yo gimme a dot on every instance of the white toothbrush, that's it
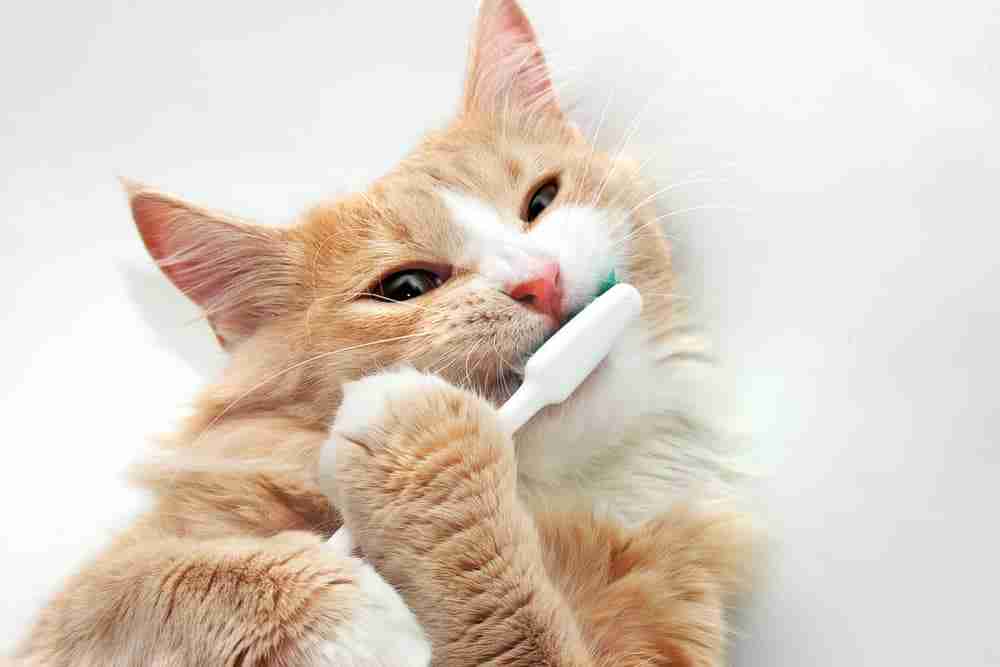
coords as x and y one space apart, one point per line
565 360
559 366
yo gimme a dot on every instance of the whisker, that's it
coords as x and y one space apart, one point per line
664 190
668 295
475 368
627 137
468 358
299 364
642 166
671 214
440 367
349 295
694 180
593 148
408 304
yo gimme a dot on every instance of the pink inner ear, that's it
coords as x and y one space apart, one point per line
176 239
236 273
507 70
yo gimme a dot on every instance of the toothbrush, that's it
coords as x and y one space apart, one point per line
565 360
559 366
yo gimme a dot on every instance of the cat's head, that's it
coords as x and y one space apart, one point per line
462 260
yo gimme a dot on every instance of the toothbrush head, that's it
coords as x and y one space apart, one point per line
609 281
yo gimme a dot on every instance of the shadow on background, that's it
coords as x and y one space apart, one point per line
176 323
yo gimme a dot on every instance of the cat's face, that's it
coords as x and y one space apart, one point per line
462 260
474 251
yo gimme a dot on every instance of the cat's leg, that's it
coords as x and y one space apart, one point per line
287 600
654 595
426 481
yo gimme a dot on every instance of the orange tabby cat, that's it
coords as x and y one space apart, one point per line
477 549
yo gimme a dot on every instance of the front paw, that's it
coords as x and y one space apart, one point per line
367 411
410 455
376 403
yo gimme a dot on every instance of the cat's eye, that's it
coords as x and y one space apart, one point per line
409 284
540 199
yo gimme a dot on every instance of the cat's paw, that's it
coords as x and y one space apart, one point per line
373 403
382 631
407 453
370 407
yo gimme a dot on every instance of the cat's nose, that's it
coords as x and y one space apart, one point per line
542 291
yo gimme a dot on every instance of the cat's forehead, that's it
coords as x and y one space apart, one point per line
494 163
493 166
461 195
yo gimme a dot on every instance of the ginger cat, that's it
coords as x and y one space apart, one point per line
476 549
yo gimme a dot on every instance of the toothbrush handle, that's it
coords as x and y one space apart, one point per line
521 407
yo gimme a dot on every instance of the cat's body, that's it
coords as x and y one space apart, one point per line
493 231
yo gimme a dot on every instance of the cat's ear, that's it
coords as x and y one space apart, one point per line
241 275
507 70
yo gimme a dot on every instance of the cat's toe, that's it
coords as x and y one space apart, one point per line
366 401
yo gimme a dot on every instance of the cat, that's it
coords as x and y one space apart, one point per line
393 322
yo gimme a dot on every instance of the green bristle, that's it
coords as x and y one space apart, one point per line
608 283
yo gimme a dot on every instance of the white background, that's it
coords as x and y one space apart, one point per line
843 245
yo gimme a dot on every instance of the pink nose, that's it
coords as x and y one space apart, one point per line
541 292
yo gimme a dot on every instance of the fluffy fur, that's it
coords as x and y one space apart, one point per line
577 544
